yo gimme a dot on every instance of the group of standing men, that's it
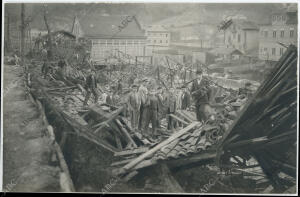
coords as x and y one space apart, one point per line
148 103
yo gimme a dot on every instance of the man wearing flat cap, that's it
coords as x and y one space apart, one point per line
91 86
134 104
153 112
201 94
143 93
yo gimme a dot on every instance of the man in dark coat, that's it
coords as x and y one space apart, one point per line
186 99
134 104
153 112
91 86
201 93
171 108
46 68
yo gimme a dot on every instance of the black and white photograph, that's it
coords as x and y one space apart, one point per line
161 97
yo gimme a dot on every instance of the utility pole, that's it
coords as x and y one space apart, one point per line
22 34
8 33
49 51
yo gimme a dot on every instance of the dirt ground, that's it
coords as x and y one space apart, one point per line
26 152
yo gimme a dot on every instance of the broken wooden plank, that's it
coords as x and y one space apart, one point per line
130 152
112 117
186 113
178 119
118 163
144 164
126 133
130 176
184 116
158 147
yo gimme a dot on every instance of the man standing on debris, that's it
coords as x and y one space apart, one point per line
153 112
143 93
62 68
171 108
246 90
186 99
91 86
134 104
201 93
161 106
119 87
45 68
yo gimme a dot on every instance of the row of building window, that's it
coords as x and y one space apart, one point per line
118 42
238 38
281 34
157 34
273 51
278 18
158 41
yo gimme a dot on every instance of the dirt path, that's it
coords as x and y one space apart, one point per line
26 153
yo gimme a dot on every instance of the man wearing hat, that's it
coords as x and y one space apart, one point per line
153 112
45 68
143 93
186 99
134 104
91 86
246 90
201 93
171 108
161 106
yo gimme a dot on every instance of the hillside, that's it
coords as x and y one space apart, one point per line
61 15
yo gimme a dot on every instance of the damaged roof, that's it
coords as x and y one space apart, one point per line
110 26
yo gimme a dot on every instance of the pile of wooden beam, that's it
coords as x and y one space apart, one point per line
266 128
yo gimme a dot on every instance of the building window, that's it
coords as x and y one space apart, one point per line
283 18
274 34
239 38
166 41
278 18
282 33
166 35
273 51
262 33
265 49
281 51
291 33
160 41
154 41
274 18
266 34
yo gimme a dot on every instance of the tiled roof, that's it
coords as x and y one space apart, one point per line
225 51
157 28
105 26
245 24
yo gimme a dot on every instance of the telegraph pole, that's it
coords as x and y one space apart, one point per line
8 34
22 34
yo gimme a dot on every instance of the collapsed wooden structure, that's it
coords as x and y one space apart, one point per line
252 129
266 128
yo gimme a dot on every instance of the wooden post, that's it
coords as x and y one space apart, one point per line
8 34
22 32
49 53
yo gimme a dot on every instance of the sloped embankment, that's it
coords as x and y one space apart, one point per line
29 160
